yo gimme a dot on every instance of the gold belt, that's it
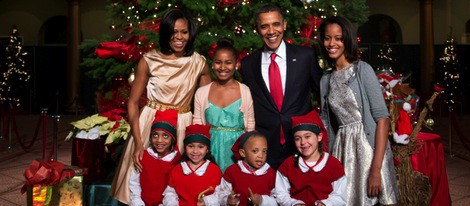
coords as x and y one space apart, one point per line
158 106
227 128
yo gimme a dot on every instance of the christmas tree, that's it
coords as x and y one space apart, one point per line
385 59
14 72
449 70
135 24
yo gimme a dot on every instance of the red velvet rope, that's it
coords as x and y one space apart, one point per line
22 144
42 118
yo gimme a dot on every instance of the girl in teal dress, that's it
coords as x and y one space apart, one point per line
225 103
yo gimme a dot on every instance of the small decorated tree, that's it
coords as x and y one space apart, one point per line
14 73
449 72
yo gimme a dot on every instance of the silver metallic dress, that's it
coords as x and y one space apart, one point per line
352 148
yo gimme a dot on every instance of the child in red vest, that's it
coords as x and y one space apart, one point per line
197 174
251 180
157 161
311 177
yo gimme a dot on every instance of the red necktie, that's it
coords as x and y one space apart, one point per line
275 86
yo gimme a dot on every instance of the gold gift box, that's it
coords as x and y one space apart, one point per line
68 192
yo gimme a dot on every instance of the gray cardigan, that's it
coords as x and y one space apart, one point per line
369 97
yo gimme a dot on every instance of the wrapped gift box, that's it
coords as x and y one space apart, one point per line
68 192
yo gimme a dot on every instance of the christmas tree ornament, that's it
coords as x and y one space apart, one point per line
200 20
239 30
430 122
131 77
112 27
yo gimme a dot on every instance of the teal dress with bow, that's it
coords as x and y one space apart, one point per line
227 125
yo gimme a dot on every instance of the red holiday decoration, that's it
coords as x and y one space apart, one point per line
308 29
227 3
125 50
116 96
212 50
43 173
437 88
153 25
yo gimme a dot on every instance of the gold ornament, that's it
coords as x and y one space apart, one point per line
131 77
200 20
429 122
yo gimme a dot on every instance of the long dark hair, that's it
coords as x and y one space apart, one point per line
349 38
167 27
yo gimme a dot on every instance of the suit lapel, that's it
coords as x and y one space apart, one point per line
290 65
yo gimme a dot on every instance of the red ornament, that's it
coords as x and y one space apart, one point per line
239 30
289 41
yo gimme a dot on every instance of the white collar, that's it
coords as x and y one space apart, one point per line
199 171
280 52
261 171
317 167
167 158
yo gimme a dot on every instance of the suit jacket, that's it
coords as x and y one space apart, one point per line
302 78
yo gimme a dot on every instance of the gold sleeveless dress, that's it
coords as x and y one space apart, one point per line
172 83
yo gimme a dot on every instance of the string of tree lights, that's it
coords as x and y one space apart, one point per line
134 25
385 59
449 71
14 73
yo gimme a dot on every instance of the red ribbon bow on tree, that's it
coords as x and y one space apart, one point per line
125 50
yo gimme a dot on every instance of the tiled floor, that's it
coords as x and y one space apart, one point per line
14 161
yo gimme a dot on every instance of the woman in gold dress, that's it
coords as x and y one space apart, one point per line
170 76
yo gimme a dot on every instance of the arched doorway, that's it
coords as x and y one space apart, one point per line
466 36
380 28
54 31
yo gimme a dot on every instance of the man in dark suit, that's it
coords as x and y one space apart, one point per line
281 84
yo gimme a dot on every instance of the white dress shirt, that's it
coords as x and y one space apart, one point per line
134 181
224 189
281 60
